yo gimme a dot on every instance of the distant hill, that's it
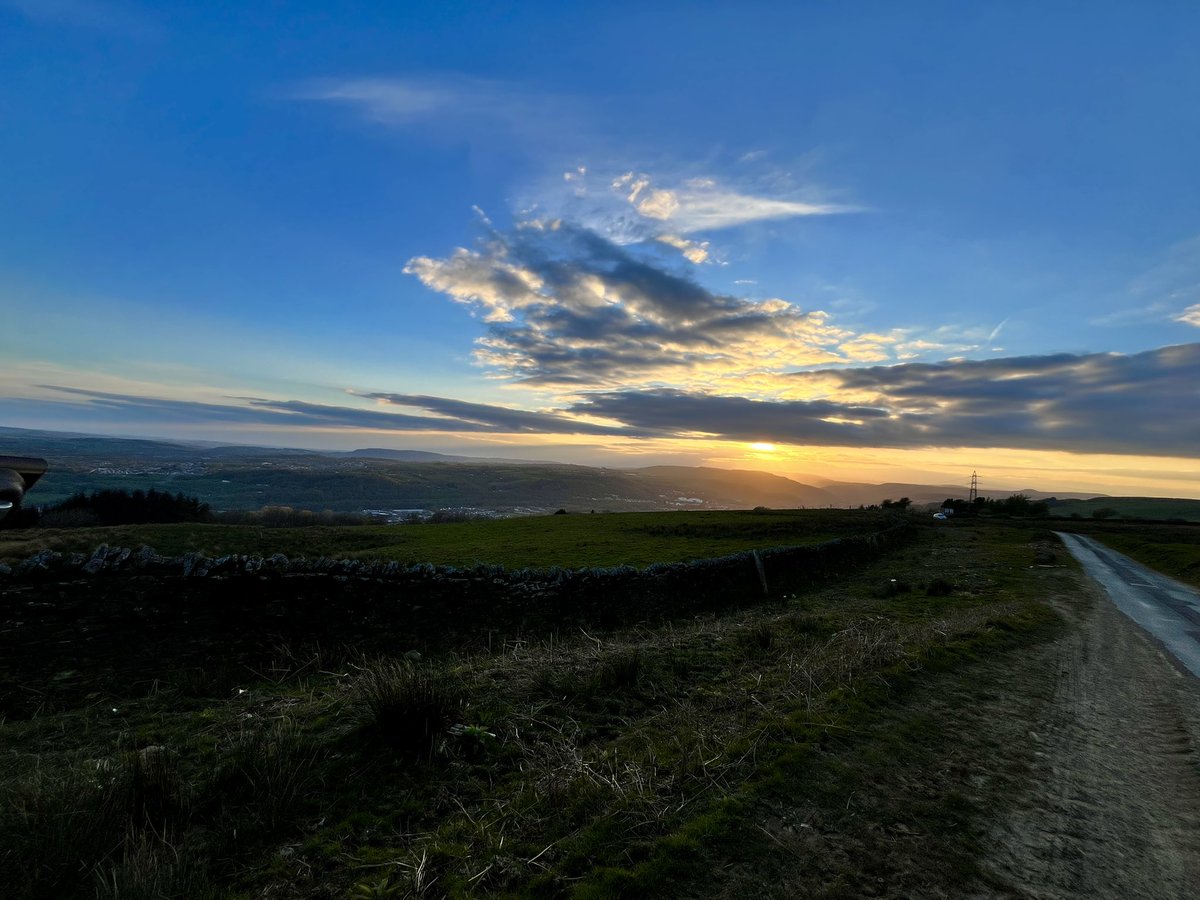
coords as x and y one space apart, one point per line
233 477
735 487
853 494
400 455
430 456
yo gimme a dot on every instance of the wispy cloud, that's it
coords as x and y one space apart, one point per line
389 101
451 103
623 203
1167 291
119 19
703 204
491 417
1190 316
440 414
684 206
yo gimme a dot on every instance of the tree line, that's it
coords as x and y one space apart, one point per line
112 507
1015 505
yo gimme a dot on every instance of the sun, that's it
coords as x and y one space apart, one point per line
763 447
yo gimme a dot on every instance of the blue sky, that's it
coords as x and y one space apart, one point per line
278 222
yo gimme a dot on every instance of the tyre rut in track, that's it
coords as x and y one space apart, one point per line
1113 804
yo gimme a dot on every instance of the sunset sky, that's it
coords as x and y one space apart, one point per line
860 241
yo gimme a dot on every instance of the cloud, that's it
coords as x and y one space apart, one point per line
1100 403
731 418
702 204
693 251
452 104
565 306
387 101
1093 403
490 417
121 20
443 414
1167 291
628 206
1190 316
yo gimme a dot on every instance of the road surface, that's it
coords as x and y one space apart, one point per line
1110 805
1170 611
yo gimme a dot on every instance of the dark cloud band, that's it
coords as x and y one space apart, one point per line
1144 403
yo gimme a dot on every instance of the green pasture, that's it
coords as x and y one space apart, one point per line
1132 508
570 541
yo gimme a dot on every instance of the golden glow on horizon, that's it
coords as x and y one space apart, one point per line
1000 468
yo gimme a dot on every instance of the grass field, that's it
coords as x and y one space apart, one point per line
1132 508
577 541
644 762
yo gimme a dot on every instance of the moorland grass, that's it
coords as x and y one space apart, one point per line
571 541
409 706
1132 508
629 762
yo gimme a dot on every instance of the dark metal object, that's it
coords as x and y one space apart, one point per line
17 475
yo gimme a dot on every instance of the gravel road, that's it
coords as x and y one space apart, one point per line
1111 806
1167 609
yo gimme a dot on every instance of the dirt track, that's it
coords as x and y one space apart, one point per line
1112 807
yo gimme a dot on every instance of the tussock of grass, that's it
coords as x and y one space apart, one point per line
758 638
62 827
151 868
618 672
261 777
893 587
410 706
939 587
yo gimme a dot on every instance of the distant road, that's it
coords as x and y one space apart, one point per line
1167 609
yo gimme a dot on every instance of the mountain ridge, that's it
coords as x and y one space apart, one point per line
249 477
